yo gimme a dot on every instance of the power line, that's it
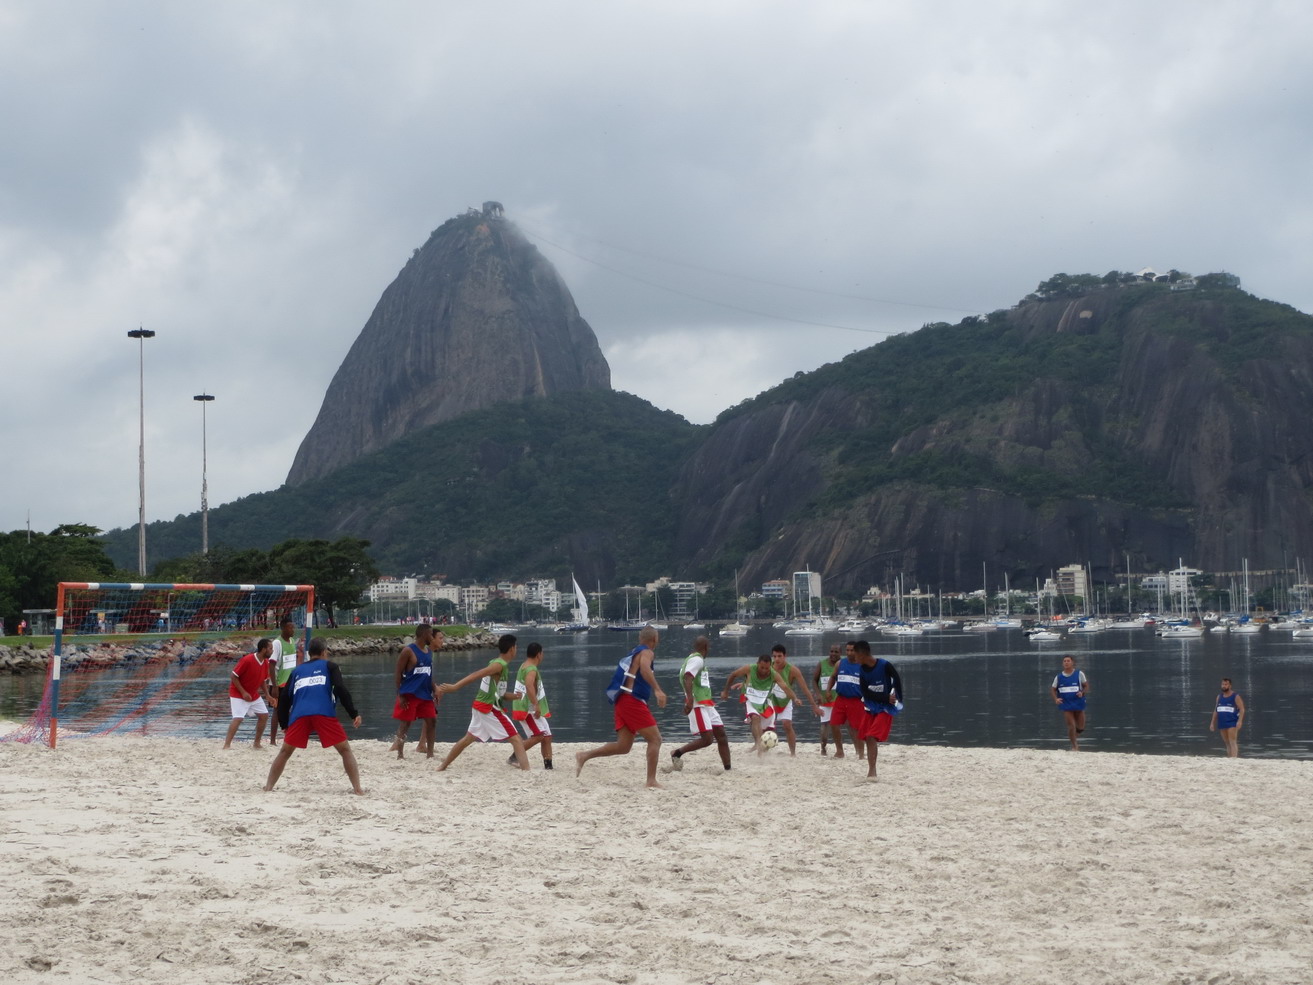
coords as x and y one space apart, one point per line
744 277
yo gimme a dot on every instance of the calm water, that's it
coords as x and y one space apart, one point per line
963 689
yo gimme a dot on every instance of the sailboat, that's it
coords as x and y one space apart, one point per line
738 627
1245 623
579 614
696 624
985 625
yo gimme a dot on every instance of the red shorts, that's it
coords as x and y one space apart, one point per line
328 728
849 710
632 714
875 726
415 708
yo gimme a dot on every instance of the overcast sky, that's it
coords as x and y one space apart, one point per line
732 191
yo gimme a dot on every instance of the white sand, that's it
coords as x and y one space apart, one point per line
157 860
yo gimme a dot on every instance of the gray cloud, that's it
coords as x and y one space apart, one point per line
247 178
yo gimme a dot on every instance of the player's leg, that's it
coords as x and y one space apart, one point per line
233 726
791 736
428 736
652 736
456 750
722 744
624 741
276 767
259 728
349 764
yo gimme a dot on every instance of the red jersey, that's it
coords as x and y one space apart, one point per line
251 671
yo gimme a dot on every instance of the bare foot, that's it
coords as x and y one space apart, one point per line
227 746
266 788
653 785
442 767
838 755
360 793
256 746
578 763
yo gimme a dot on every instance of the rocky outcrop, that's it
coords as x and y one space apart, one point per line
477 317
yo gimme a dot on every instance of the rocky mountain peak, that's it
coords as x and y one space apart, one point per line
476 317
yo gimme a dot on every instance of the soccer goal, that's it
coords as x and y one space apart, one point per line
143 657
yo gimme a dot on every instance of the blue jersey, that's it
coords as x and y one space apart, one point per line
312 691
626 679
879 685
1068 687
419 679
848 682
1228 715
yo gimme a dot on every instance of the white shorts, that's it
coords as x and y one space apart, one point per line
825 713
534 726
703 718
784 714
242 708
490 726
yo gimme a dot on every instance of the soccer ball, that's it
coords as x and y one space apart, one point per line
769 740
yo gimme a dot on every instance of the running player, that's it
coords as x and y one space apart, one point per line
759 680
632 686
882 693
700 707
532 713
488 723
821 678
848 708
1069 689
417 691
314 689
784 705
248 687
1228 716
288 653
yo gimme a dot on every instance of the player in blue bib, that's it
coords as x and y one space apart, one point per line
1228 716
1069 689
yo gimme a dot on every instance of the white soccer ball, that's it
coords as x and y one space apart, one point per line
769 740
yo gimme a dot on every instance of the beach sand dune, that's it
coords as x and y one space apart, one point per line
159 860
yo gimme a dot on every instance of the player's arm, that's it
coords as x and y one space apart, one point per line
1084 684
492 670
645 671
1240 707
405 664
1212 722
895 683
797 674
1054 689
531 692
343 695
741 672
783 684
834 678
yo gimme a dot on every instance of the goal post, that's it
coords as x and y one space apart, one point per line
171 622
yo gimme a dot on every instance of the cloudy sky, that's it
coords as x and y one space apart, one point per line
734 191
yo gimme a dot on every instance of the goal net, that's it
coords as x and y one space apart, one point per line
153 658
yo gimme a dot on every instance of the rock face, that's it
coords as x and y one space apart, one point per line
1121 421
476 317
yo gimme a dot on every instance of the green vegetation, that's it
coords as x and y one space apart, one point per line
32 566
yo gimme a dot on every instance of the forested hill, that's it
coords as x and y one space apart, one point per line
1099 418
578 480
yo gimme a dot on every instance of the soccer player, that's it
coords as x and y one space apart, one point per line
759 680
821 679
632 686
488 723
1228 716
700 707
882 692
848 710
288 654
784 705
417 691
532 713
1069 689
248 687
314 688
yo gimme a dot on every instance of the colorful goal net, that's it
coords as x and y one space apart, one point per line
152 658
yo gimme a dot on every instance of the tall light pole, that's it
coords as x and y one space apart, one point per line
141 334
204 398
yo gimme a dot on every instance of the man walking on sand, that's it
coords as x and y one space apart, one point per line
248 688
848 707
1069 689
531 713
821 678
417 691
314 688
488 723
1228 717
882 694
700 707
632 686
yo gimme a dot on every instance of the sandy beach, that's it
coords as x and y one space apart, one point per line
161 860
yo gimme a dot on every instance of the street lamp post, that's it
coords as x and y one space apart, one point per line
141 334
204 399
